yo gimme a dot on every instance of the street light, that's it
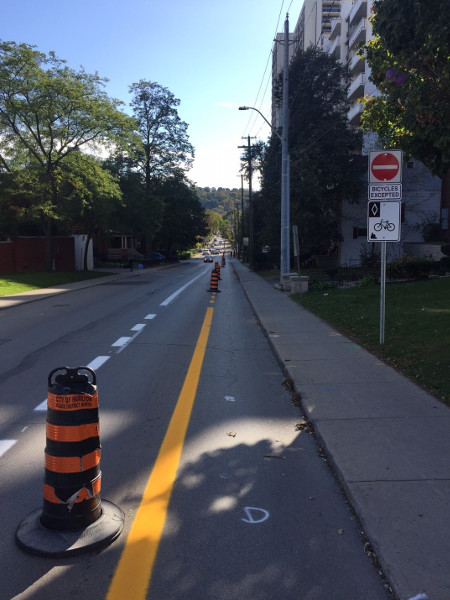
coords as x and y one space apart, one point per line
259 112
285 193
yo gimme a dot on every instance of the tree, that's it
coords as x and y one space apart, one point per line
166 150
324 165
183 219
90 195
410 62
47 112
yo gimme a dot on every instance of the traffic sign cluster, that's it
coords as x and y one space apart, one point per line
384 215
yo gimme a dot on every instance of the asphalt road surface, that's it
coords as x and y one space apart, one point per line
225 494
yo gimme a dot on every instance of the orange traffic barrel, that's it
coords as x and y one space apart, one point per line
223 259
72 509
217 268
214 283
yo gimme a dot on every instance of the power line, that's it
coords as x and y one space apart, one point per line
254 117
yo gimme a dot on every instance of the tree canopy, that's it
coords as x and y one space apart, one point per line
324 166
55 123
47 112
410 62
166 150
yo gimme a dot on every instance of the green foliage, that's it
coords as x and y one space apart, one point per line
367 281
183 219
165 148
219 200
323 286
409 267
324 168
417 332
48 112
445 249
409 61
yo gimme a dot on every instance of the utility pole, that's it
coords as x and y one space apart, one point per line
285 266
250 200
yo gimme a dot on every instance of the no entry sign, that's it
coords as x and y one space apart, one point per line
385 165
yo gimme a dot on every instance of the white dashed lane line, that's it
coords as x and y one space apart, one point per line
5 445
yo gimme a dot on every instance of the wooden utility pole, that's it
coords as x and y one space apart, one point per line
250 201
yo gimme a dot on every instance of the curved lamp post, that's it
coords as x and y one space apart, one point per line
285 192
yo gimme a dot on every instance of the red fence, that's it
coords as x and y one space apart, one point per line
27 255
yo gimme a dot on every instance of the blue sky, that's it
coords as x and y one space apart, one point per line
213 56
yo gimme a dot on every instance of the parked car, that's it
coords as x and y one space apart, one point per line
208 258
158 256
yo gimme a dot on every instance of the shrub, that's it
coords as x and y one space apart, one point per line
409 267
367 281
323 286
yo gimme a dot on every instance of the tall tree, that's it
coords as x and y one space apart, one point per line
47 112
324 165
410 65
166 150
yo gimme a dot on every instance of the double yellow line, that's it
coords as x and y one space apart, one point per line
132 577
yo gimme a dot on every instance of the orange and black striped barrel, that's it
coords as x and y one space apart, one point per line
72 479
214 283
217 268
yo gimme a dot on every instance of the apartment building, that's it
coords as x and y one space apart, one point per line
339 27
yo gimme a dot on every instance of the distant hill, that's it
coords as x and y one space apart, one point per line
220 200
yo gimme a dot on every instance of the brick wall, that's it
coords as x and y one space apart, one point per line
27 255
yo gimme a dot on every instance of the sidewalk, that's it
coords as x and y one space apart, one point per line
387 440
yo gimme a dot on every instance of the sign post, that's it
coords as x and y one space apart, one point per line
384 210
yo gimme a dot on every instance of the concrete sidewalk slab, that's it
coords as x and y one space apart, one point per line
387 440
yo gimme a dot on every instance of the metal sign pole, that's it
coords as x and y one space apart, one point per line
382 290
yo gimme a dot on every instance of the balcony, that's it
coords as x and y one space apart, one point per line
334 49
335 29
356 88
354 114
358 35
357 12
356 65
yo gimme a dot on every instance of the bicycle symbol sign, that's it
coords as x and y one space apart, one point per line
383 221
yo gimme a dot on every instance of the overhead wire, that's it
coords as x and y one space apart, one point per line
253 117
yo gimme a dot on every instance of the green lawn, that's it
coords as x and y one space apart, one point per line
417 326
15 283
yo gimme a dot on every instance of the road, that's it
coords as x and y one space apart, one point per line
224 496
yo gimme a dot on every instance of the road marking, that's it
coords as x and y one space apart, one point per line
252 509
132 576
150 316
98 362
178 292
121 342
5 445
138 327
42 406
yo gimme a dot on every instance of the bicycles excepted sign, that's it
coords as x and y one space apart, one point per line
384 221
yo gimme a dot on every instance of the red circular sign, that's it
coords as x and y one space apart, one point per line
385 166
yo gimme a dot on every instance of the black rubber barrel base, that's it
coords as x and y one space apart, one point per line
35 538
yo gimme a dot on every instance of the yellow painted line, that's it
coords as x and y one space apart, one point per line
132 576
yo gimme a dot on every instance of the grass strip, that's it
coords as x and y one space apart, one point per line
417 326
16 283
